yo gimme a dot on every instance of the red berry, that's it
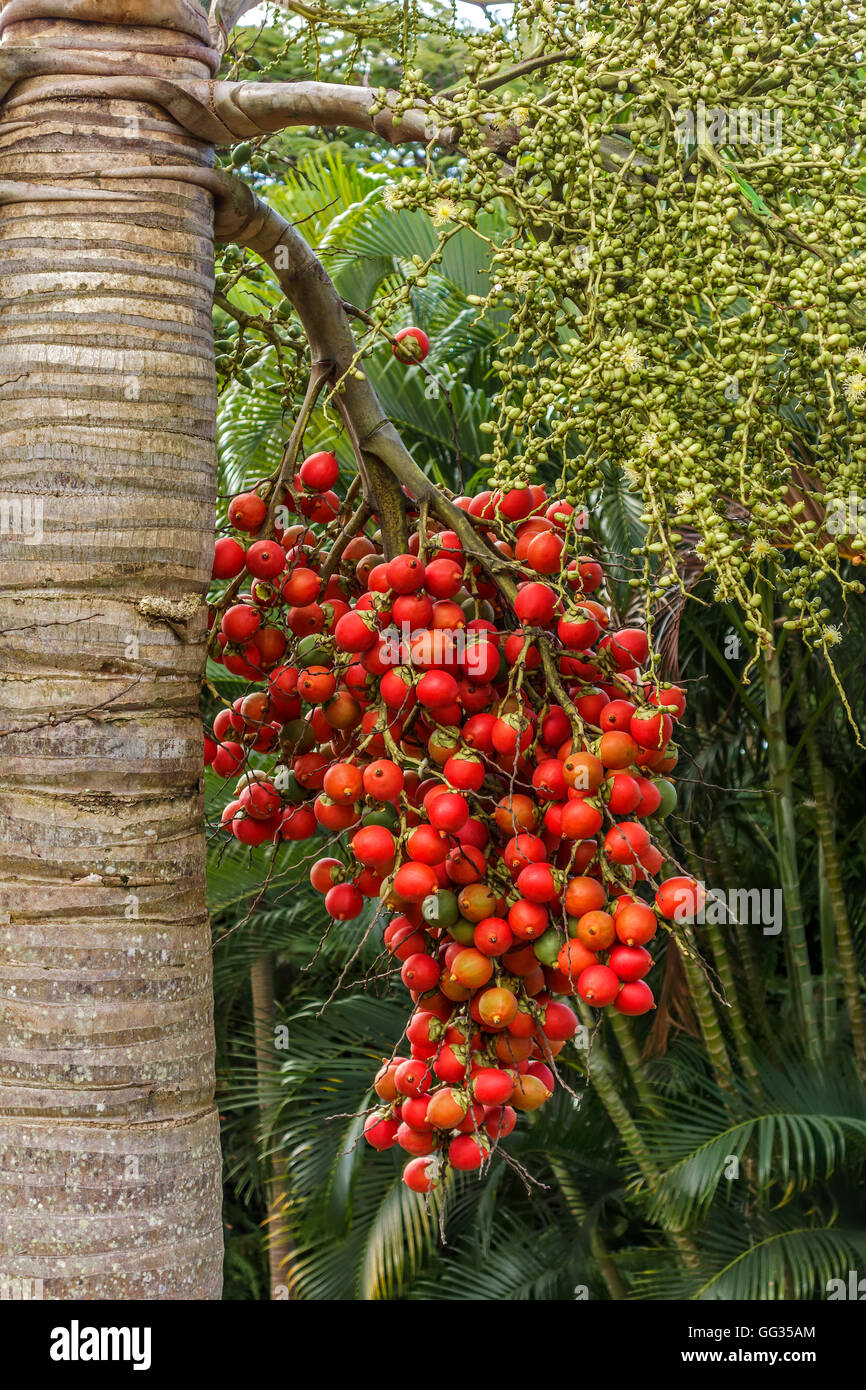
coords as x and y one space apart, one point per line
414 882
228 759
465 772
578 630
344 902
411 345
316 685
635 922
536 882
420 973
260 800
560 1022
669 697
319 472
535 604
628 647
515 504
544 553
381 1130
581 818
228 558
405 574
265 559
499 1121
298 823
630 962
492 1085
680 899
383 780
343 783
373 845
598 985
477 731
443 578
301 587
617 714
421 1175
493 936
247 512
548 780
412 1078
651 730
635 998
528 920
446 1108
355 632
467 1152
437 688
624 843
240 622
448 812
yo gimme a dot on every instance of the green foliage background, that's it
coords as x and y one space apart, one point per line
717 1147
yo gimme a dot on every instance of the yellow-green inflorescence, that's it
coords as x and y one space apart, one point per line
684 273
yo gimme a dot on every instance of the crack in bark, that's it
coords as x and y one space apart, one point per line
52 723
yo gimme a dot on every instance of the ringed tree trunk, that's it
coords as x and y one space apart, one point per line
109 1147
110 1175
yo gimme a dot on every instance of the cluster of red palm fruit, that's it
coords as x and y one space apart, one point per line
405 706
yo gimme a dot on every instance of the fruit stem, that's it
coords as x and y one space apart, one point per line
319 374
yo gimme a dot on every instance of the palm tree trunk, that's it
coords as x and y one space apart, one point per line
110 1174
834 907
701 995
718 946
628 1046
745 948
573 1197
706 1014
716 937
603 1077
279 1243
831 980
796 947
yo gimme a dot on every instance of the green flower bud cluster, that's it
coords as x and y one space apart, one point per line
684 273
260 347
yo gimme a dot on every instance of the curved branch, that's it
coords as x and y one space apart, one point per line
261 108
14 192
15 63
242 217
247 109
84 76
286 471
